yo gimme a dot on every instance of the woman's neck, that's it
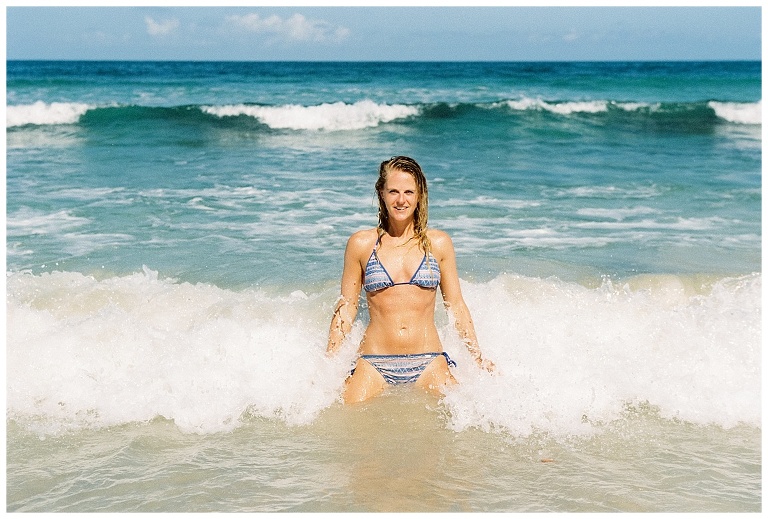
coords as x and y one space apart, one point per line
404 230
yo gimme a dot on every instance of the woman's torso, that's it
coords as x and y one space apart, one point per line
402 316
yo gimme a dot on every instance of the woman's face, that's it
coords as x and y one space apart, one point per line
400 195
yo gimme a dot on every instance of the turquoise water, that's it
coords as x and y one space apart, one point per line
614 168
175 234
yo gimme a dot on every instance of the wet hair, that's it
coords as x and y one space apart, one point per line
406 165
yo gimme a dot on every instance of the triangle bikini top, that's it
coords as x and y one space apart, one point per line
377 277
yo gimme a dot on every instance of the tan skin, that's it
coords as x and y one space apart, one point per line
402 317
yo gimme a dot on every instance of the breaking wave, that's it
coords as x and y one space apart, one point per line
341 116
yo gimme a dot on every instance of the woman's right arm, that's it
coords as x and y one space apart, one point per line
351 282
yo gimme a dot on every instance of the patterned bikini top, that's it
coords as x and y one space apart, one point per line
377 277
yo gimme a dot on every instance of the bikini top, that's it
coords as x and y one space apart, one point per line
377 277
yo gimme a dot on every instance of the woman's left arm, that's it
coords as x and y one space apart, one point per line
442 248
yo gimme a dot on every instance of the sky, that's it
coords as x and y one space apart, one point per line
428 32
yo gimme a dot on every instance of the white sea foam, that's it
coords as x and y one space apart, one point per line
613 192
90 193
632 107
571 357
563 108
69 232
61 139
327 116
617 213
41 113
29 221
88 352
488 201
83 352
680 224
741 113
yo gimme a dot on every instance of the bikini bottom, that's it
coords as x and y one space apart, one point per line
403 369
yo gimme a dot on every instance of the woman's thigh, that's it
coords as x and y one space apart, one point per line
366 382
436 376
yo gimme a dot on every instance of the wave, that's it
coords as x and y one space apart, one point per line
327 116
739 113
562 108
27 221
43 114
92 353
340 116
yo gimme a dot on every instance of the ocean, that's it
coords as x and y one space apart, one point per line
174 242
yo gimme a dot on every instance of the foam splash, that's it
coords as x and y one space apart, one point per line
341 116
327 116
28 221
564 108
574 107
740 113
90 353
572 357
83 352
41 114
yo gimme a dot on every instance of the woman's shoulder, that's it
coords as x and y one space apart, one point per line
440 241
438 237
363 239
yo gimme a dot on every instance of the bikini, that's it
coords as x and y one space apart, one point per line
377 277
406 368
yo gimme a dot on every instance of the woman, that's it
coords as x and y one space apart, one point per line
400 264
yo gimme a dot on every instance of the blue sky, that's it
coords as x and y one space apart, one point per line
439 33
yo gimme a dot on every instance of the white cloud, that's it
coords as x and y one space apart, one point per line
161 28
571 36
297 28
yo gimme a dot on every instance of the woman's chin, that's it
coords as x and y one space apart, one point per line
401 216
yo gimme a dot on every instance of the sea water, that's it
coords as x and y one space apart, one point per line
174 243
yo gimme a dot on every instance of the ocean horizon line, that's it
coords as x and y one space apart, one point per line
425 61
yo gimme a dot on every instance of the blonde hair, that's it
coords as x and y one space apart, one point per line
406 165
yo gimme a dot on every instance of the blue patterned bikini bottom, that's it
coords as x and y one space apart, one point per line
403 369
